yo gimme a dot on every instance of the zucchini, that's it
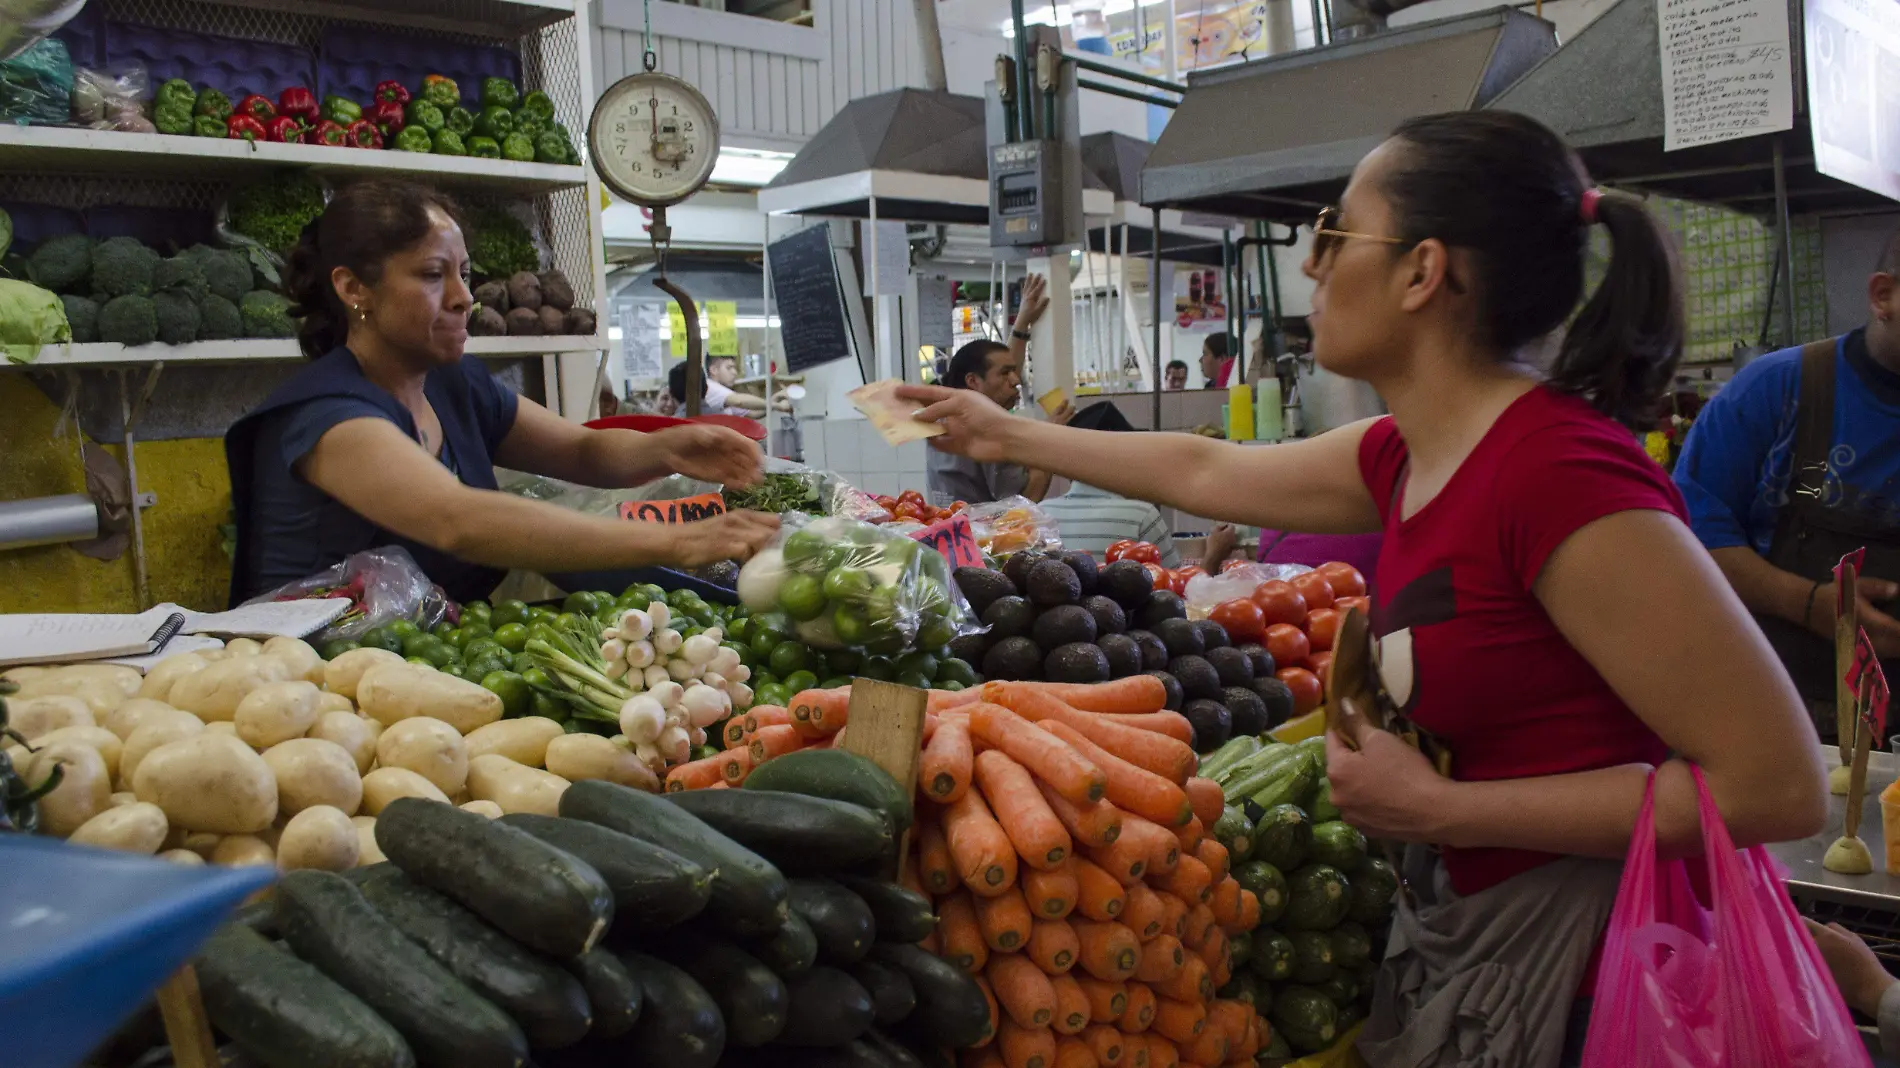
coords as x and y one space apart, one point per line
611 992
748 893
839 775
828 1008
548 1003
800 834
1227 756
951 1009
1257 774
654 888
327 922
792 950
839 918
540 896
679 1026
1235 831
892 996
285 1013
902 914
751 998
260 916
1290 782
895 1053
859 1054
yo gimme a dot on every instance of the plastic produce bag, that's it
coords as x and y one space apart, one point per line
105 102
36 86
1013 525
1738 985
1203 592
848 584
383 585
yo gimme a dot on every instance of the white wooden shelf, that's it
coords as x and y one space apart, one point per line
271 350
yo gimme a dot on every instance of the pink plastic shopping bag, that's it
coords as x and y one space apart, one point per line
1739 985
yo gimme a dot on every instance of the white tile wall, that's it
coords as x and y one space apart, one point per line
812 433
875 454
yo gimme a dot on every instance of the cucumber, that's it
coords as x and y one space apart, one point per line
611 992
902 914
951 1009
538 895
839 775
748 893
653 887
752 999
892 996
548 1003
895 1053
679 1026
285 1013
792 950
839 918
327 922
828 1008
802 835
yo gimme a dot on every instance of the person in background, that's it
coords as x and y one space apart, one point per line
609 402
1289 547
1092 519
1216 365
664 403
722 373
1177 374
996 371
1865 983
1795 463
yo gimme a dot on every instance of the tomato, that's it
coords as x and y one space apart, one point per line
1234 563
1345 579
1322 627
1314 587
1157 574
1322 664
886 503
1241 619
1287 644
1119 549
910 511
1343 604
1280 602
1143 552
1307 691
1189 571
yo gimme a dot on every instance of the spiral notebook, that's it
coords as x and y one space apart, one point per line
57 637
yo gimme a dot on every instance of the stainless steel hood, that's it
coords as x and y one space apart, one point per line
905 132
1277 138
1115 160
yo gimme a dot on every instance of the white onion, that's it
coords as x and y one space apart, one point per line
760 579
667 642
681 670
714 679
675 744
724 660
616 669
699 650
739 674
659 613
704 705
639 653
634 625
613 649
655 676
741 695
668 693
697 735
642 718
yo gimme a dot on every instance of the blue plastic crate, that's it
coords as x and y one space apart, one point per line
34 223
166 230
85 37
235 66
353 59
664 577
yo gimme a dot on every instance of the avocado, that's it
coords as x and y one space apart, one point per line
1109 617
1063 625
1181 637
1160 605
1213 634
1263 664
1076 662
1087 572
1154 651
1016 660
970 648
1009 617
1198 677
1232 665
1128 583
1124 656
1017 568
1173 686
1249 712
1277 697
982 587
1213 724
1051 583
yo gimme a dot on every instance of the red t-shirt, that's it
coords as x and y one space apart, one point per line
1465 647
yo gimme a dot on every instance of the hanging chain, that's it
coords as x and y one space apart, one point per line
646 38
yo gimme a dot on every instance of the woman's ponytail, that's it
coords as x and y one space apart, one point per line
363 225
1621 350
321 325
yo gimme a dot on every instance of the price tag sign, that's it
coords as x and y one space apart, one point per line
722 328
1866 675
954 538
683 510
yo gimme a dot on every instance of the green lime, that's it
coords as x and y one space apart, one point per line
804 545
849 624
954 671
880 606
478 611
834 682
843 661
439 653
802 597
581 603
788 657
936 632
878 667
800 681
762 679
402 628
473 631
574 621
482 667
537 678
705 752
914 679
333 649
634 598
951 687
421 661
442 629
762 644
516 696
847 583
775 694
920 663
383 638
476 648
552 707
414 644
509 612
512 636
682 597
542 614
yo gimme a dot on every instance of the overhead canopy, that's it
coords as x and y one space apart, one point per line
705 277
1277 138
1115 160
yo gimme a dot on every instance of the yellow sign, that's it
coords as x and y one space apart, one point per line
676 331
718 318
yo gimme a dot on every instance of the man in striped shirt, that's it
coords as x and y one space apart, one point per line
1091 520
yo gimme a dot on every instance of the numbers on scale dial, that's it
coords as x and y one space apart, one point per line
659 138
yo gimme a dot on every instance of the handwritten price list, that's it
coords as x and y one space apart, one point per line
1725 70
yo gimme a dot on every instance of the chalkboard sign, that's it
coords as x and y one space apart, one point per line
811 315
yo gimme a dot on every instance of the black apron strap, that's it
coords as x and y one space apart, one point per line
1813 435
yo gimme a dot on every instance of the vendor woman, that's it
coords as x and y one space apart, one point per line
1544 613
390 436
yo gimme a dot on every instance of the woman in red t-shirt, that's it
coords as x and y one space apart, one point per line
1542 610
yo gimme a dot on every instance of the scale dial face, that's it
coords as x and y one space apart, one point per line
653 139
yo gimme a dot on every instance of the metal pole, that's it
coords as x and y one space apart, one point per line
870 274
1025 81
142 587
1787 245
1269 312
1126 94
930 41
1154 295
1228 290
1319 23
1119 273
1096 66
765 312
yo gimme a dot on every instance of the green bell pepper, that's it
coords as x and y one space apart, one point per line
484 147
461 120
497 123
441 91
208 126
530 123
518 147
539 103
175 93
550 148
341 110
424 114
500 93
414 139
213 103
173 117
449 143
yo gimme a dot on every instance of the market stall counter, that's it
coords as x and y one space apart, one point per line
1809 882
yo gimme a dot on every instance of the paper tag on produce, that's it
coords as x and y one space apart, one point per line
894 418
683 510
1866 668
955 539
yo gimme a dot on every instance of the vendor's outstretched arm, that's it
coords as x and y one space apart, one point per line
378 472
545 444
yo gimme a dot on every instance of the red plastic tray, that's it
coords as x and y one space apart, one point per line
647 424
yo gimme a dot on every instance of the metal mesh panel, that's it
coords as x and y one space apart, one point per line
79 193
456 20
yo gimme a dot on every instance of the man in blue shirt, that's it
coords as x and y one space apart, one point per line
1795 463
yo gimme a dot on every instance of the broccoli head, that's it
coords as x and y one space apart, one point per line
218 319
177 313
129 320
62 263
227 271
266 314
83 315
183 274
123 267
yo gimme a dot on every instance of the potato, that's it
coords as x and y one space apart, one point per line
350 731
395 692
384 785
515 787
34 716
160 680
134 828
184 858
334 702
202 843
298 656
209 783
589 756
106 742
237 647
367 851
276 712
524 741
83 792
310 772
242 851
342 674
160 730
483 808
428 747
100 686
223 726
214 694
320 837
135 713
24 674
121 798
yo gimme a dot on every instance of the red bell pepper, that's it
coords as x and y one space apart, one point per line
257 107
364 134
392 91
388 117
299 103
285 130
328 133
243 127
